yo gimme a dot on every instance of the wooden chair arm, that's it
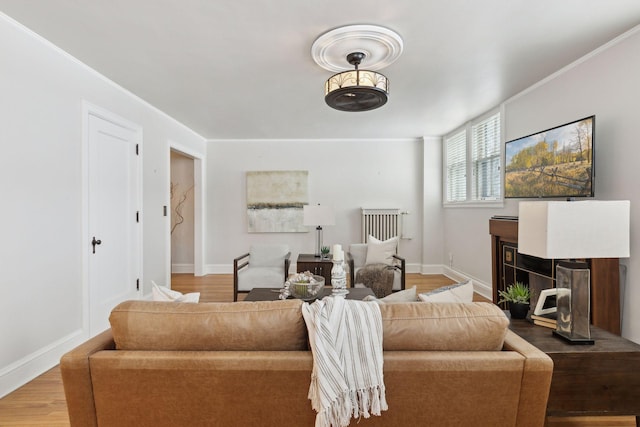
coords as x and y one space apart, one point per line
236 260
237 266
401 267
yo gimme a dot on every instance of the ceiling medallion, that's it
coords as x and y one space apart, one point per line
354 89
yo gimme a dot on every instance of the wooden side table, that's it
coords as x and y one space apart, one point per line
315 265
589 380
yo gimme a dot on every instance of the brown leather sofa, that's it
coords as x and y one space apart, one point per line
248 364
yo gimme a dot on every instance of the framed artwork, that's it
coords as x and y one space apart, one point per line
275 200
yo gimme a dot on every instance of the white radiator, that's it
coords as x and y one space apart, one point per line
382 224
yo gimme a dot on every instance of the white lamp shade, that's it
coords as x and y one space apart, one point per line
318 215
579 229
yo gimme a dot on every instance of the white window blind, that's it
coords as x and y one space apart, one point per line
472 163
485 158
456 168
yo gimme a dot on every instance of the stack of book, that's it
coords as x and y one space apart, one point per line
546 320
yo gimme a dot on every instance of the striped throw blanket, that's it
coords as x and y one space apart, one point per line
346 342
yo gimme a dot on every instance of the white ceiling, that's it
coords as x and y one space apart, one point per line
243 68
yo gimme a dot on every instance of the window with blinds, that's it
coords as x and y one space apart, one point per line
485 158
456 168
472 158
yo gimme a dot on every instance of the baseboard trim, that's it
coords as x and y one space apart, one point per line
29 367
182 268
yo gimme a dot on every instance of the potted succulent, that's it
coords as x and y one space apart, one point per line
324 251
517 297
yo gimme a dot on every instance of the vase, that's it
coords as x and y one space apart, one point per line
518 310
338 278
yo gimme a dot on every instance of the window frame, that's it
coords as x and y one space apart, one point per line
469 164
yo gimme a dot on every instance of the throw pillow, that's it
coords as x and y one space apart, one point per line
408 295
161 293
381 252
460 292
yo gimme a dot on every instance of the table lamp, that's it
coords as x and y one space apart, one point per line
574 230
318 215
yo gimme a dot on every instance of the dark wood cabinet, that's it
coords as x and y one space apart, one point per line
315 265
508 265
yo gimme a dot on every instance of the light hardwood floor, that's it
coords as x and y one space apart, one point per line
41 402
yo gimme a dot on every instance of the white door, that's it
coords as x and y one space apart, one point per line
113 217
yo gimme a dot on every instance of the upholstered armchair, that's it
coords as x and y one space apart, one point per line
264 266
361 254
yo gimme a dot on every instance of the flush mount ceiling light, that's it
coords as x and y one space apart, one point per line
355 89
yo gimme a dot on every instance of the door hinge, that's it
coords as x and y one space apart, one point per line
164 210
137 149
137 216
137 284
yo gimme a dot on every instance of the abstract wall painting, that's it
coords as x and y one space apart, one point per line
275 200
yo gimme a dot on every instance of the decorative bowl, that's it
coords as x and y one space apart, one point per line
305 286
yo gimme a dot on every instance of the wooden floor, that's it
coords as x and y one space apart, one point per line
41 402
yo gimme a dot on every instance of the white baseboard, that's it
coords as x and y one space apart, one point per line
430 269
29 367
182 268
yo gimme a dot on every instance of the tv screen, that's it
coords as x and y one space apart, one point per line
556 162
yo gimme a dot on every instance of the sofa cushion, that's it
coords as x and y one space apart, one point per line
260 325
407 295
260 277
267 255
358 252
162 293
381 252
477 326
459 292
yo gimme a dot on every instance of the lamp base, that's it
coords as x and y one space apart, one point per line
574 339
573 302
318 253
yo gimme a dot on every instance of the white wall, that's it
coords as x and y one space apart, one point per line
433 233
41 272
605 84
345 174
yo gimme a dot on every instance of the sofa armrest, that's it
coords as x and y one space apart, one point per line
536 380
76 377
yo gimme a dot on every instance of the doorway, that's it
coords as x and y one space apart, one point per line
182 213
185 252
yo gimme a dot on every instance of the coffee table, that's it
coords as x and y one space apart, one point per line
270 294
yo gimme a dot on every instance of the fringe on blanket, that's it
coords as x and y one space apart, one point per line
326 322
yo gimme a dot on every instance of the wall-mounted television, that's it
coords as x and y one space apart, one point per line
557 162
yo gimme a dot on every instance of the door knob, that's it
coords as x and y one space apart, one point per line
95 242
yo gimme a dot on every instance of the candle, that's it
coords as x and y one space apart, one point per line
338 253
336 248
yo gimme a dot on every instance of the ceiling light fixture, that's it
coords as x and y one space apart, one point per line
354 89
357 90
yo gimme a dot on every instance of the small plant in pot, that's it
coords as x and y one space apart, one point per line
324 252
517 297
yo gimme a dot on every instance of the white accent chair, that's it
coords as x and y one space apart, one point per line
264 266
357 257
